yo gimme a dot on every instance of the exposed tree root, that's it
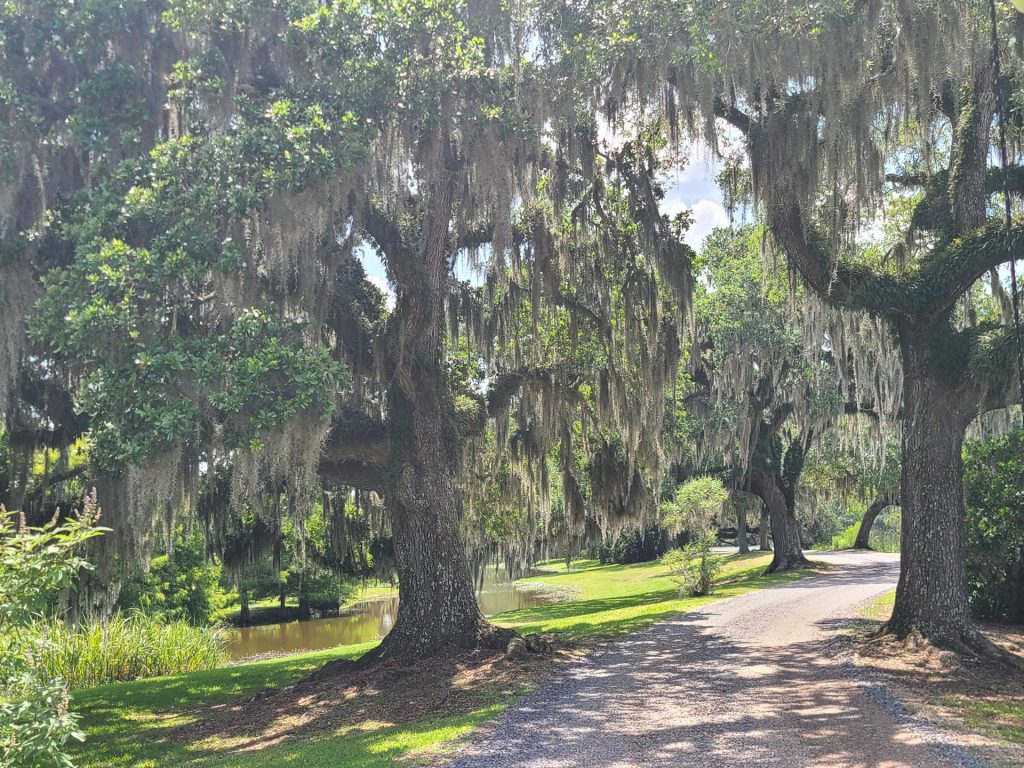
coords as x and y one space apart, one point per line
966 643
795 562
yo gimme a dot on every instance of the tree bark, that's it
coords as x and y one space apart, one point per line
931 596
741 529
788 553
876 508
437 607
244 614
763 530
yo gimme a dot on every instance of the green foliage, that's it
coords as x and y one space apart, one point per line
129 723
126 648
182 585
885 534
846 538
694 567
994 489
35 565
633 546
694 505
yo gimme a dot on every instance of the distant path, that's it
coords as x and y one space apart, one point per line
748 681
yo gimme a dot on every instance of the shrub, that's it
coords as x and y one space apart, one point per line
994 489
35 565
633 546
182 584
847 538
128 648
694 567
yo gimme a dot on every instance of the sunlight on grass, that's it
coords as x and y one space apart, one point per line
1001 719
128 724
879 608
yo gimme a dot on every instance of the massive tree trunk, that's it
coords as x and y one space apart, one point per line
874 509
437 608
931 596
788 554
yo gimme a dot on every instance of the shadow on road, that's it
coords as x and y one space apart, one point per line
699 689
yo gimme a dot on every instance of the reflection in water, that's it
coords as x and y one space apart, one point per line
361 623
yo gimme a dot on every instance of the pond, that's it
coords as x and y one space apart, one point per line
360 623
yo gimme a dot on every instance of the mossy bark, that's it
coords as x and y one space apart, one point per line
437 608
931 596
788 553
875 508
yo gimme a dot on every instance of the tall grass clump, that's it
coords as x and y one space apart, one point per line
847 538
128 648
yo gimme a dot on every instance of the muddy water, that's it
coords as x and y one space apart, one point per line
360 623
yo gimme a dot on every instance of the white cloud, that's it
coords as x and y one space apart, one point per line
707 215
385 288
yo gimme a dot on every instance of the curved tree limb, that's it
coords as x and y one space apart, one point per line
356 452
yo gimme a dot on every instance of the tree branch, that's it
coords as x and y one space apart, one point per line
732 115
356 452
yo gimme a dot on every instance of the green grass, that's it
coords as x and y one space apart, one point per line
879 608
374 591
617 599
128 724
1000 720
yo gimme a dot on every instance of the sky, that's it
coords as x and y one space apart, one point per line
692 188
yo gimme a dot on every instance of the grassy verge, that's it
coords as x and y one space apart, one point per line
372 592
981 701
131 724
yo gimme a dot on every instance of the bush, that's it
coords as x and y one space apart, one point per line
128 648
35 565
994 489
693 567
633 546
847 538
180 585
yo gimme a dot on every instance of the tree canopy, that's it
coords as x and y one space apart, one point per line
190 195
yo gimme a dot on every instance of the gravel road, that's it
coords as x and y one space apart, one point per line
750 681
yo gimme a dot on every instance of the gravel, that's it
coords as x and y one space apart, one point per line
752 681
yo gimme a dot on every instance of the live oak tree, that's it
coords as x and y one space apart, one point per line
197 249
859 465
835 101
765 391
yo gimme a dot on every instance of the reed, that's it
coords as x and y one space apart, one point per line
128 647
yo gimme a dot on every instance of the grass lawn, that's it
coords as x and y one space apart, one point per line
129 724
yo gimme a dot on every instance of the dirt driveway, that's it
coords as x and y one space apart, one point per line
751 681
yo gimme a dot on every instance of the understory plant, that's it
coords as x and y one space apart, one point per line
694 567
994 485
127 647
35 565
